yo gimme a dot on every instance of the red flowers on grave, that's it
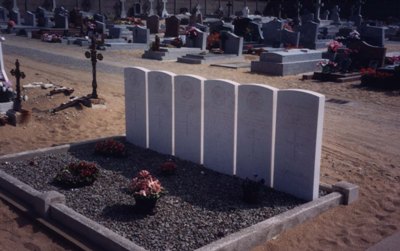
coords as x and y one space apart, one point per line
192 32
110 147
146 186
334 45
146 190
77 174
168 167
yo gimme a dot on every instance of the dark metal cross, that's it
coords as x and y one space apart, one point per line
94 56
18 75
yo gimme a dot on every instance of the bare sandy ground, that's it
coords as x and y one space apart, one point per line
361 143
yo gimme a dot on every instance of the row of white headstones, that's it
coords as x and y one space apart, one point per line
235 129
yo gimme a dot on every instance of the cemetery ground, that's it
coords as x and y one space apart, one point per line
360 139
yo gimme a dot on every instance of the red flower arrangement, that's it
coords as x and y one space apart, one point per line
334 45
168 167
110 147
380 79
77 174
192 32
144 185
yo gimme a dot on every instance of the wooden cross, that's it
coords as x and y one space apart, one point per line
18 75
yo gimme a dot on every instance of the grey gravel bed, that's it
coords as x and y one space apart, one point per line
200 205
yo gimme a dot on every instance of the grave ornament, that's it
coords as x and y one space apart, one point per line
94 56
18 75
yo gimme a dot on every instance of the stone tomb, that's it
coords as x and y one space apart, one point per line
247 129
289 62
272 33
172 26
200 41
170 53
153 24
373 35
309 36
290 39
30 19
15 16
140 35
61 21
231 45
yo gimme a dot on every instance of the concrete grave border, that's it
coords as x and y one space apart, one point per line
51 207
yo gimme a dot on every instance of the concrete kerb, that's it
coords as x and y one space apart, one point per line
51 205
96 233
266 230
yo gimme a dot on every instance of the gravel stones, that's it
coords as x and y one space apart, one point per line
199 207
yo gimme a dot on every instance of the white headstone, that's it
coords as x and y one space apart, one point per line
220 99
298 142
151 12
161 111
3 70
164 12
54 5
136 106
189 117
123 10
256 132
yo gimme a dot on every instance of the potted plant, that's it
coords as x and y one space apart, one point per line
146 190
77 174
251 190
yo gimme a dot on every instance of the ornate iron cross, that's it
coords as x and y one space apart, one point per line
18 75
94 56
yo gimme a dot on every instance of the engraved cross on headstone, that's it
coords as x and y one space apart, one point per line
18 75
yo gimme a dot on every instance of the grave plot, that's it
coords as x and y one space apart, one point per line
346 58
289 62
194 42
230 49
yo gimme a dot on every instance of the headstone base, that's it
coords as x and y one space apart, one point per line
169 53
15 118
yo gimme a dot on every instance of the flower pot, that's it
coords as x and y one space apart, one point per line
145 205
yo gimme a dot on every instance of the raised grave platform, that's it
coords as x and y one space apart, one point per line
170 53
337 77
289 62
208 58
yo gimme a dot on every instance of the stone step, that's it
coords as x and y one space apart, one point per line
188 60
